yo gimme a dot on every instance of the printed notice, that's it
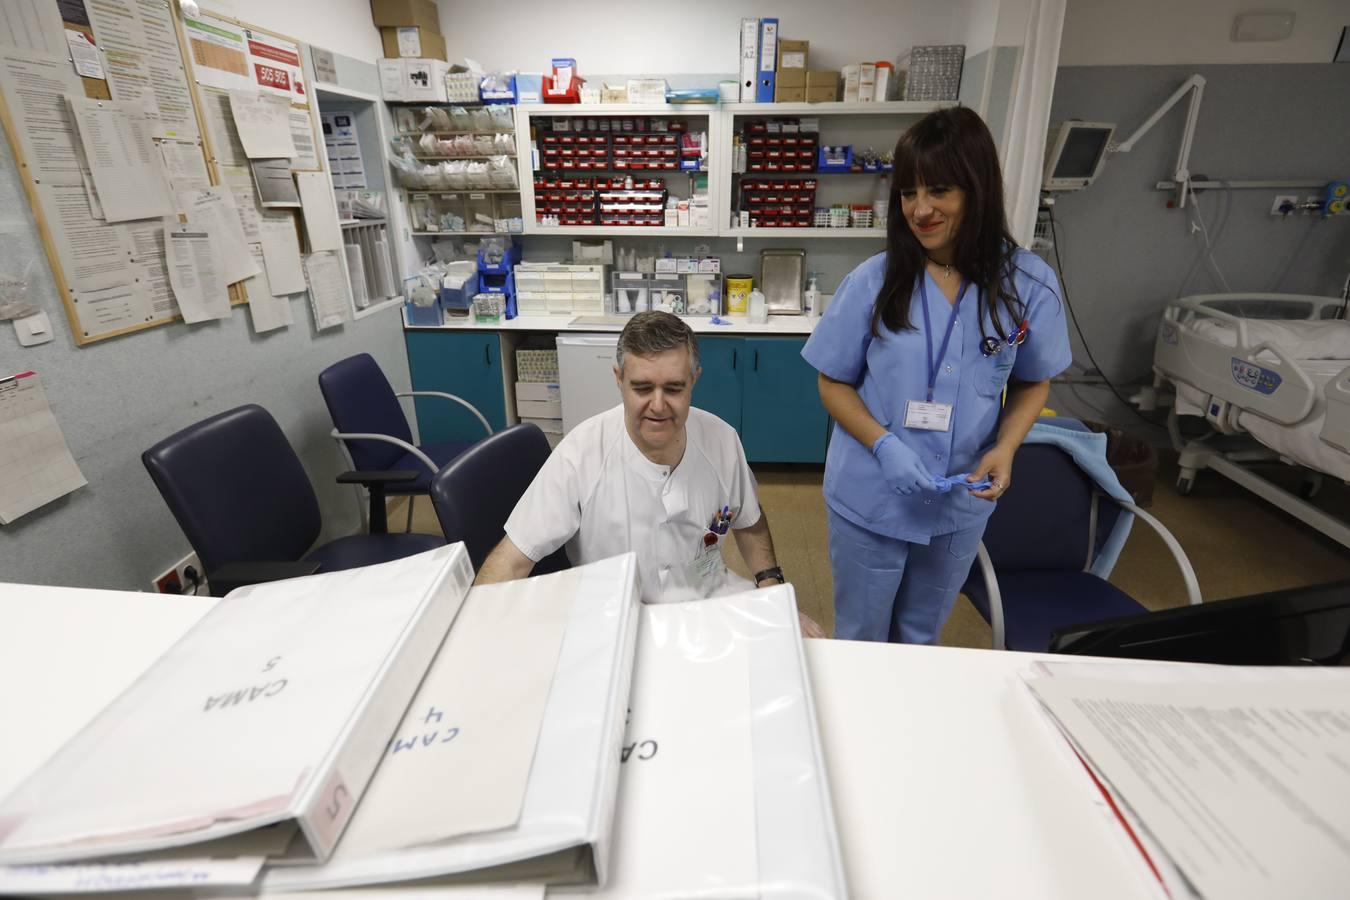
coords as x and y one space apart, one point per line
276 185
128 172
267 311
194 272
263 124
35 464
329 299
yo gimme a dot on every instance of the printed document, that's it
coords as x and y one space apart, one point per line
213 209
281 256
267 311
263 123
276 185
1241 779
321 218
326 278
128 172
35 464
194 272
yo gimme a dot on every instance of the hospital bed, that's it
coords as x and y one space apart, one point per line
1273 369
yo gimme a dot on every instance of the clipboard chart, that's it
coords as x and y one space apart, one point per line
133 58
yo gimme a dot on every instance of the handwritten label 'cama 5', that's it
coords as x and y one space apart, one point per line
248 694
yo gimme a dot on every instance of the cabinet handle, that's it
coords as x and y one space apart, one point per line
756 361
733 359
487 355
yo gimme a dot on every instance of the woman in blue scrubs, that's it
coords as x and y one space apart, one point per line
915 353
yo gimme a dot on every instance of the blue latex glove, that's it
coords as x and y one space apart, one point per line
944 483
900 465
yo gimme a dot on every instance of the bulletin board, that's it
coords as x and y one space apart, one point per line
112 275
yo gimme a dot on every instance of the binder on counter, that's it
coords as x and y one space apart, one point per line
723 790
412 823
766 80
749 60
270 714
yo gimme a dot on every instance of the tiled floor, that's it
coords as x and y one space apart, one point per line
1237 543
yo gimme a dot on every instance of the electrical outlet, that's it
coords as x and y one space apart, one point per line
177 580
1311 200
1281 200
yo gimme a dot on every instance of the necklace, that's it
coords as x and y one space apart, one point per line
946 267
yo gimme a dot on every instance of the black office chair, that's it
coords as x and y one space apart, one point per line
242 497
1031 575
371 428
475 494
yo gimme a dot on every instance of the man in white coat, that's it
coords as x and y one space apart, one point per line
652 475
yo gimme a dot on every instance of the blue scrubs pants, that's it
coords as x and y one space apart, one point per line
891 590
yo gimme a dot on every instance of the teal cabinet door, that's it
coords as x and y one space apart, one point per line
718 390
782 419
468 365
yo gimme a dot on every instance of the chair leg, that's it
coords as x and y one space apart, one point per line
412 498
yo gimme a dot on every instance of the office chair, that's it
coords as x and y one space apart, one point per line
1031 575
372 430
243 500
475 494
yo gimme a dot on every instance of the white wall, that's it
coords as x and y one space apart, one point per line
700 36
1181 32
343 26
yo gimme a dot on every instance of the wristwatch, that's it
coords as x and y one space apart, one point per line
775 572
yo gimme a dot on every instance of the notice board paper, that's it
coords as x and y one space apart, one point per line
143 62
119 145
302 136
194 272
149 266
281 256
276 186
35 463
32 25
263 124
36 85
219 119
213 209
219 54
321 218
267 311
185 165
327 281
240 183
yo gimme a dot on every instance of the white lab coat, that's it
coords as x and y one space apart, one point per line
601 497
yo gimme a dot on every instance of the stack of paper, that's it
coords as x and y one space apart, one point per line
252 737
504 768
1231 780
723 792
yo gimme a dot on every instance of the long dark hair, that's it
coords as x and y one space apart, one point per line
951 147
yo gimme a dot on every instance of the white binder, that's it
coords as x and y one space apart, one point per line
274 709
749 59
562 831
723 791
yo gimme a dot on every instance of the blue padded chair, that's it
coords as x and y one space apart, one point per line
1031 575
242 497
370 427
475 494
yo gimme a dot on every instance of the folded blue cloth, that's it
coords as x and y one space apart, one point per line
944 483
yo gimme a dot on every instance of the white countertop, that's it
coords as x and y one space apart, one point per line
739 325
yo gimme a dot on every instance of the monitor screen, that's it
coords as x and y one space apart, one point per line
1299 626
1083 148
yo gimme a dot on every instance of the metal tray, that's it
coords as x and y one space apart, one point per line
781 276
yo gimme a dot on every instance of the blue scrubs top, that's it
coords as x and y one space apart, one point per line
892 370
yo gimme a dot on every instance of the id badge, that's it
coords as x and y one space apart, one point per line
928 416
706 564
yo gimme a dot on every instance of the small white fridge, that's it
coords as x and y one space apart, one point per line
586 376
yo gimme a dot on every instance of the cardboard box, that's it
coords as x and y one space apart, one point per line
391 79
539 409
396 13
424 80
789 94
547 426
792 55
822 94
791 78
541 391
822 86
411 41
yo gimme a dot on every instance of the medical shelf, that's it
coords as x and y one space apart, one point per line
870 233
428 158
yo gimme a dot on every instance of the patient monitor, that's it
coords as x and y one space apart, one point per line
1075 154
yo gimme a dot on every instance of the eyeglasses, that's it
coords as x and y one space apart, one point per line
992 345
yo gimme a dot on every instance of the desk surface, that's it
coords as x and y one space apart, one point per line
739 326
943 785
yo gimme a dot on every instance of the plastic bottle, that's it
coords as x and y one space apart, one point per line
881 201
811 299
758 308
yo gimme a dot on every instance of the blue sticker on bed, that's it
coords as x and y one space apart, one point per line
1254 377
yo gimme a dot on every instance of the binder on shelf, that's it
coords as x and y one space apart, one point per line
768 60
749 60
557 829
723 720
261 727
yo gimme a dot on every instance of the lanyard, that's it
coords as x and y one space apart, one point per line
934 365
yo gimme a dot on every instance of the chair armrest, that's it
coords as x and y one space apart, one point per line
1173 545
994 596
361 436
238 574
389 476
444 396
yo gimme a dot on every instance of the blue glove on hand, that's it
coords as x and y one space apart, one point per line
900 465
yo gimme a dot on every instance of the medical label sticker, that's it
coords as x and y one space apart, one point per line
928 416
1254 377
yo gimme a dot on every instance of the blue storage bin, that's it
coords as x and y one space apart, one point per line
504 267
424 315
459 298
834 159
498 284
